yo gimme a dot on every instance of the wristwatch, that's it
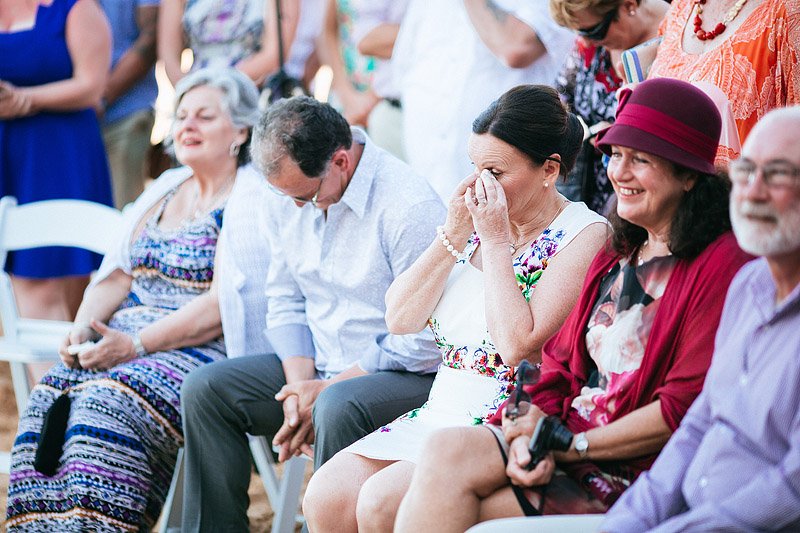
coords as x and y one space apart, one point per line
581 444
138 347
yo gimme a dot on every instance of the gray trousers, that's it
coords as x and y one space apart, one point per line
224 401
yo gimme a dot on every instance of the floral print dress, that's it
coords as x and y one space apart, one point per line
472 381
588 84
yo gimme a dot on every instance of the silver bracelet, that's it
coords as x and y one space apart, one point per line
138 347
460 256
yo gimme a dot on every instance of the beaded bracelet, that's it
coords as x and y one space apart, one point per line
460 256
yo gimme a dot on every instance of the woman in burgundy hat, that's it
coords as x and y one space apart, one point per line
631 357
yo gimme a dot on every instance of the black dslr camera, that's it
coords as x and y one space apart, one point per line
550 435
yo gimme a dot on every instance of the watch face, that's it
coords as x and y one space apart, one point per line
581 444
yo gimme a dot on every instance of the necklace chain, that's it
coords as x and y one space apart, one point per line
197 210
720 27
516 245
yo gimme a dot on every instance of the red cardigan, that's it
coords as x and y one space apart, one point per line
678 351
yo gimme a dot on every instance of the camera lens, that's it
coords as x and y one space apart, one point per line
560 437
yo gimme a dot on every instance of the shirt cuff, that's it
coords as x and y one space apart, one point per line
377 361
292 340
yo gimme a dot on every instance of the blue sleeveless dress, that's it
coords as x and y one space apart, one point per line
125 425
50 154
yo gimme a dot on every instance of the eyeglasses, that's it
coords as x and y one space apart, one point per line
519 402
776 174
299 199
599 31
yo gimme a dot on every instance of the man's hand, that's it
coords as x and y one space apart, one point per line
518 459
297 432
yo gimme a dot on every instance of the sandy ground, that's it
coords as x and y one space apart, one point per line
260 513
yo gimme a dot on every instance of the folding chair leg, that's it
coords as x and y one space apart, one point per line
283 492
22 388
19 378
5 463
289 500
173 505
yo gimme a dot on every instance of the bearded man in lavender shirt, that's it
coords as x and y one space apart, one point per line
734 462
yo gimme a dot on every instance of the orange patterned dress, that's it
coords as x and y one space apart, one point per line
757 66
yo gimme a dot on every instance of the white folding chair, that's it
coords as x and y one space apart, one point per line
584 523
76 223
283 491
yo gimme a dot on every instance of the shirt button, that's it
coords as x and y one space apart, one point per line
703 482
743 380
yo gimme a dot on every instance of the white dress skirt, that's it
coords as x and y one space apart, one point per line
472 381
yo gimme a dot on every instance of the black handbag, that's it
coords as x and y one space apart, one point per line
280 84
51 439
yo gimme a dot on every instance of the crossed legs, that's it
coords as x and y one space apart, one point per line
459 482
355 493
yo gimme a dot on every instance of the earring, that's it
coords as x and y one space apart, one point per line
234 150
632 12
546 184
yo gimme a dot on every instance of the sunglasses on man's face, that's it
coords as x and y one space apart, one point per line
599 31
519 402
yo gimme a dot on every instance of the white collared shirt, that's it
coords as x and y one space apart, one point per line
328 276
241 265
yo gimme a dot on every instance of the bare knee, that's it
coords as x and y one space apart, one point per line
377 506
330 499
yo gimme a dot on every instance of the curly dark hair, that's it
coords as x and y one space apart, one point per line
702 216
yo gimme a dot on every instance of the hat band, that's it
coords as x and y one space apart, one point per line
669 129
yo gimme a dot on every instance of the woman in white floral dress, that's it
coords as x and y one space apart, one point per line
526 250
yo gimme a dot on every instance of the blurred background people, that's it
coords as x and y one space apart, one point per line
357 43
54 59
376 30
754 59
152 308
351 86
238 33
455 57
126 108
590 78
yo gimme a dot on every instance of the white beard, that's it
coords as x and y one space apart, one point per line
757 238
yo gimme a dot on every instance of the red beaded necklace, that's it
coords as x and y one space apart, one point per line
719 28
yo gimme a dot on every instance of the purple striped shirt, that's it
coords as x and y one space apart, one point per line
734 462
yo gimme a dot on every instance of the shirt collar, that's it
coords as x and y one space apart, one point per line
763 291
359 190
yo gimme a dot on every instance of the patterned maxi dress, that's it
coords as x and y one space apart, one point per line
472 381
124 428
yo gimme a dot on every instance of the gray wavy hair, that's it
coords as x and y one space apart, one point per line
240 99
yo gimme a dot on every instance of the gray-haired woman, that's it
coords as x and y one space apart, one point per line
152 312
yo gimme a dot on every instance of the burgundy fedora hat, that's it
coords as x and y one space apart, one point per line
668 118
